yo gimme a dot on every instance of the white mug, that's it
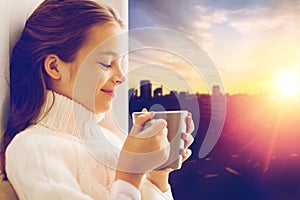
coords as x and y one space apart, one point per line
176 124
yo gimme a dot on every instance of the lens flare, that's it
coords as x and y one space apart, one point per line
289 85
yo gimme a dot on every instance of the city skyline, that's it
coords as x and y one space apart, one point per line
146 90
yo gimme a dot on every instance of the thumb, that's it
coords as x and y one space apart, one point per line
140 121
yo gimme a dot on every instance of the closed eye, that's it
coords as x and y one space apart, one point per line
105 65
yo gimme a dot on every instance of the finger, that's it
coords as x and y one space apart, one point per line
186 153
158 126
143 118
190 123
140 121
188 139
144 110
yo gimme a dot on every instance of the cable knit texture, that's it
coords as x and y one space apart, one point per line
66 155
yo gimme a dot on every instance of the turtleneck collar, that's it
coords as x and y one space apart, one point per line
66 116
62 114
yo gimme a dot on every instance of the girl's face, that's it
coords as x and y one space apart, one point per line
97 71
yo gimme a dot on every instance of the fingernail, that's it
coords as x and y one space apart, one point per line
185 151
182 151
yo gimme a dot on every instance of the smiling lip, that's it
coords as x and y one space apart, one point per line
109 92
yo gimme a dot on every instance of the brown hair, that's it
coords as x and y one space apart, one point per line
56 27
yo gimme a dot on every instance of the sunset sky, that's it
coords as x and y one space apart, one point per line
251 43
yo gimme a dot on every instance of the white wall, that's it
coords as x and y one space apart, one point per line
4 38
13 16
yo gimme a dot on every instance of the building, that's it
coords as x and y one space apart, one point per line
158 92
216 91
145 89
132 92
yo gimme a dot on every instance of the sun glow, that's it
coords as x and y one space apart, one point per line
289 85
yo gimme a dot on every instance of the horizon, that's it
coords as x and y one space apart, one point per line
167 91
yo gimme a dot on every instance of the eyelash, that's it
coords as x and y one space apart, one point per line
106 66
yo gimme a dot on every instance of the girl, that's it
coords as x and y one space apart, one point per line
55 148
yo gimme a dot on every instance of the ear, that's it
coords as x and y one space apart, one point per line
52 65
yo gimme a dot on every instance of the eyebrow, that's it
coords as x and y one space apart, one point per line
109 53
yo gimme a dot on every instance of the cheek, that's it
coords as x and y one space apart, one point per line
86 84
101 83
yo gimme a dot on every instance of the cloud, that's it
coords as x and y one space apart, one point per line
259 20
188 17
197 18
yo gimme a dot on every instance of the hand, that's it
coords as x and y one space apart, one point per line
140 155
160 178
188 138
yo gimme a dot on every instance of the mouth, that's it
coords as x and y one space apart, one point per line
111 93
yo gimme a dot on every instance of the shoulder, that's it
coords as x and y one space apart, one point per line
30 137
42 134
35 150
38 139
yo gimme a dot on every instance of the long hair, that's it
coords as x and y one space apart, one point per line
56 27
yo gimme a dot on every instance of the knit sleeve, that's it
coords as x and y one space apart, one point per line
122 190
150 191
43 171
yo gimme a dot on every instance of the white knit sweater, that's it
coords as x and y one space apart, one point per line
66 155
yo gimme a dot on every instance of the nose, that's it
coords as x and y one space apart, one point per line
118 74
